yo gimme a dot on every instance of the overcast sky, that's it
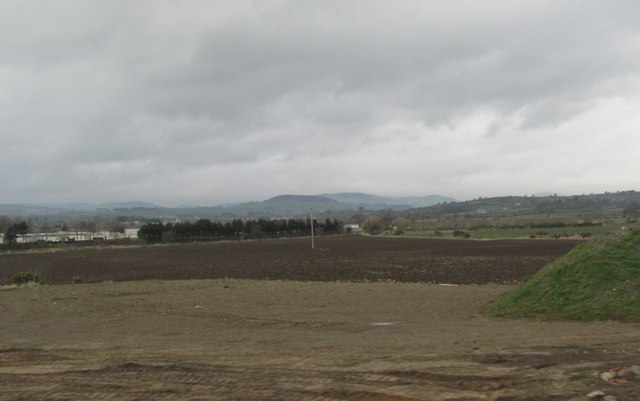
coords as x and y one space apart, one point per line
207 102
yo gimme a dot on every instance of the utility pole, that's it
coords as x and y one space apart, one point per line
312 243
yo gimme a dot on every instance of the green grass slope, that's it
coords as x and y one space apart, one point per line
597 280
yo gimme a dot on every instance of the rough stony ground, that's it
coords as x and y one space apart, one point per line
351 258
274 340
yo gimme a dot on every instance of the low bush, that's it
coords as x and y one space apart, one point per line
22 278
460 233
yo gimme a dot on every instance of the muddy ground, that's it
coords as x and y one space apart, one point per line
351 258
275 340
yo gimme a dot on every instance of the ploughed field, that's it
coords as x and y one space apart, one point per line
337 258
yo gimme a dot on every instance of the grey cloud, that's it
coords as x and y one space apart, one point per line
138 89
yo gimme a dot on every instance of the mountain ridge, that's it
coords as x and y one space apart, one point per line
370 199
284 206
276 204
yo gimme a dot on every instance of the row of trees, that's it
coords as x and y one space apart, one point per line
206 230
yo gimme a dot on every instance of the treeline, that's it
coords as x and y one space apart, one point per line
206 230
11 235
628 202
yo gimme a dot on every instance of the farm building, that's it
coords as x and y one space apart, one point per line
353 228
65 236
131 233
78 236
30 238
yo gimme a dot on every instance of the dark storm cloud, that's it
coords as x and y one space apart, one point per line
122 100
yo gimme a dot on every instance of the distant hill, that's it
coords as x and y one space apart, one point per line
127 205
36 208
377 201
300 205
295 199
344 203
289 205
530 205
279 206
25 210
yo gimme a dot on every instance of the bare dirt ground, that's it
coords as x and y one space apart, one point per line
284 340
367 337
350 258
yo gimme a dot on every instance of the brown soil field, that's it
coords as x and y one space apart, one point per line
287 340
345 258
237 339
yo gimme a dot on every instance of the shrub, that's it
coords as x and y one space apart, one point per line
460 233
22 278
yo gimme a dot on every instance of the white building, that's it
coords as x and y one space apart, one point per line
353 228
72 236
131 233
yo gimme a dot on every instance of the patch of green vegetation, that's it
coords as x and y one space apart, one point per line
597 280
550 232
535 226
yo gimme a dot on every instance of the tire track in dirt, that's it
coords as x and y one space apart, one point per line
169 381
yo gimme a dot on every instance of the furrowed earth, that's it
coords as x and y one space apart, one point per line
358 318
344 258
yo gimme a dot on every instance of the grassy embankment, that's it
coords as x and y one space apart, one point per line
597 280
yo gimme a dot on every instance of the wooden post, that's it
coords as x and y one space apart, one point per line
312 243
